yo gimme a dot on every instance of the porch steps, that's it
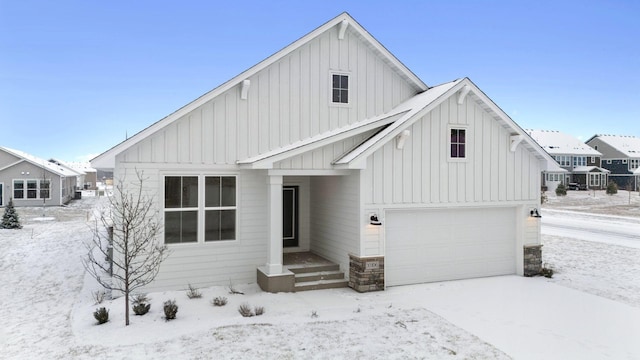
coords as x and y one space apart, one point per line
319 276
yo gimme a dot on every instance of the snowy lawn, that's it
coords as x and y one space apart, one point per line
48 305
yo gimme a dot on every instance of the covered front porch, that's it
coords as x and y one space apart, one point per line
313 226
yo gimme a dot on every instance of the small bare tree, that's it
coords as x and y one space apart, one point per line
127 257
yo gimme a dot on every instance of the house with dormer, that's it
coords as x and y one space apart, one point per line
332 152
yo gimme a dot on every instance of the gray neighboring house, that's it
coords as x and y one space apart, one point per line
32 181
621 156
580 162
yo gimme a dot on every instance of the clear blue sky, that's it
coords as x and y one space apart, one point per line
77 76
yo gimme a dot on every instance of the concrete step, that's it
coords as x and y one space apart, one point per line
300 269
319 275
321 284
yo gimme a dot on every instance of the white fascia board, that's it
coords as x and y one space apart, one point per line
106 160
266 160
532 144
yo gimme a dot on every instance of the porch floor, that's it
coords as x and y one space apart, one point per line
299 260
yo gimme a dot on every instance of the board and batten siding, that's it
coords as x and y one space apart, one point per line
421 173
335 223
287 102
212 263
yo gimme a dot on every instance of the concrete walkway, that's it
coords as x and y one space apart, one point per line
531 318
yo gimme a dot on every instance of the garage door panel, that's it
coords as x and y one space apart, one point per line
448 244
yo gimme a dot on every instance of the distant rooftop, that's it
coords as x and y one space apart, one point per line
557 143
627 144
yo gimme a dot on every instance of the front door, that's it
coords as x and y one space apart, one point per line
289 216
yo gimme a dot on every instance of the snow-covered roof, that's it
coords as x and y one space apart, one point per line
344 21
588 169
627 144
558 143
81 166
49 166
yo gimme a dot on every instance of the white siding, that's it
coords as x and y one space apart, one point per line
422 174
335 223
214 263
287 102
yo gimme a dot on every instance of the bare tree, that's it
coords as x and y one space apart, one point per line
124 254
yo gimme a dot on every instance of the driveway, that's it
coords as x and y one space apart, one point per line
532 318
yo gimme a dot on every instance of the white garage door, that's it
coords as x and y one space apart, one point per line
448 244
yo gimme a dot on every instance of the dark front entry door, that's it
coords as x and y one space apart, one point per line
289 216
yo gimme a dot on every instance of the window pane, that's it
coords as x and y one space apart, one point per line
18 185
228 191
344 82
454 150
344 96
172 227
189 191
212 225
212 191
336 81
461 136
454 136
32 184
189 226
18 194
172 191
336 95
461 151
44 184
228 225
44 194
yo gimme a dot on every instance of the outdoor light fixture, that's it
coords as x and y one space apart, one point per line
534 213
373 220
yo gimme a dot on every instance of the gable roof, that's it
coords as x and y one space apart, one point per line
558 143
628 145
106 160
48 166
422 103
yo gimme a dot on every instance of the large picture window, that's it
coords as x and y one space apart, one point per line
199 208
458 143
32 189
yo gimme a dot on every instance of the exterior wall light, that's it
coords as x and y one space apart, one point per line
373 220
534 213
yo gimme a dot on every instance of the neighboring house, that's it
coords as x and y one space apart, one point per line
80 175
90 178
31 181
581 162
620 155
333 146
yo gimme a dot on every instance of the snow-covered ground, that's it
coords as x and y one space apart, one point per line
590 309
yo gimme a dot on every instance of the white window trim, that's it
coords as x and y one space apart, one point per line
25 189
467 142
350 91
200 209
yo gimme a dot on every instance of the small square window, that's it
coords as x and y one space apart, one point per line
340 89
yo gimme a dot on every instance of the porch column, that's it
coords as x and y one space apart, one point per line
274 259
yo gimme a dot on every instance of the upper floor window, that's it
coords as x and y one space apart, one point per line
458 143
634 164
579 161
563 160
340 88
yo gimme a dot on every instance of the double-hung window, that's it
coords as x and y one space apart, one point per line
340 88
18 189
458 143
220 208
199 208
181 209
45 187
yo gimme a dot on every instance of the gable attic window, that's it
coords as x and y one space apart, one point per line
340 88
458 143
